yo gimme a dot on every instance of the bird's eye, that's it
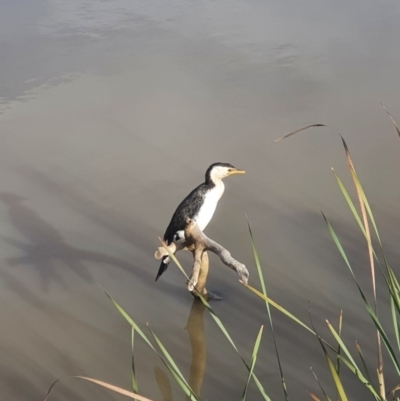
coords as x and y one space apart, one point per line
229 169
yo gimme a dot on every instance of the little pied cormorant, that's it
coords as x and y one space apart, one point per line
199 206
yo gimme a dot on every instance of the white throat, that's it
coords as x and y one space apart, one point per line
217 173
211 199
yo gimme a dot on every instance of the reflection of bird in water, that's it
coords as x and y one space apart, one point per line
199 206
197 338
44 245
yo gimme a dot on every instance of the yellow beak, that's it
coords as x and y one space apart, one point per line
237 171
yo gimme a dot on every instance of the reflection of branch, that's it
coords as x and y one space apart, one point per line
195 329
194 236
163 384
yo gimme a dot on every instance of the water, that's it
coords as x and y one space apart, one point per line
111 112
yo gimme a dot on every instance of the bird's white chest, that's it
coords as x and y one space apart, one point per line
209 205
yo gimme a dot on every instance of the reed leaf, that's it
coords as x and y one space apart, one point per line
361 355
134 379
253 361
320 386
335 376
395 322
264 290
339 347
392 119
299 130
366 303
280 308
100 383
350 360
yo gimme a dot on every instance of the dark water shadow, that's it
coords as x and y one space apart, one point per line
125 228
115 222
43 246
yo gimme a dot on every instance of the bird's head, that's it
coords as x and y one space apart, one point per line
218 171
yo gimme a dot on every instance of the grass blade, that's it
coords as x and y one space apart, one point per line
253 362
280 308
341 344
339 347
395 301
264 290
131 322
357 217
382 335
357 374
320 386
360 192
360 224
360 353
335 376
109 386
366 303
349 202
134 380
363 204
299 130
356 369
395 323
392 119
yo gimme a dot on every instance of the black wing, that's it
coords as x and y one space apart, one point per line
189 207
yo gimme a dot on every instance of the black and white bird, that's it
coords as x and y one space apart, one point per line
199 206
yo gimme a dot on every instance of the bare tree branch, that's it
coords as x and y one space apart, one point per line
195 237
198 243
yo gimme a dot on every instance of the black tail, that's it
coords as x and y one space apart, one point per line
163 266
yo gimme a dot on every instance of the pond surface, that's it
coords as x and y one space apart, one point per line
110 113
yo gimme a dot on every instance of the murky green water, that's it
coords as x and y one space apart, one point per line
111 111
